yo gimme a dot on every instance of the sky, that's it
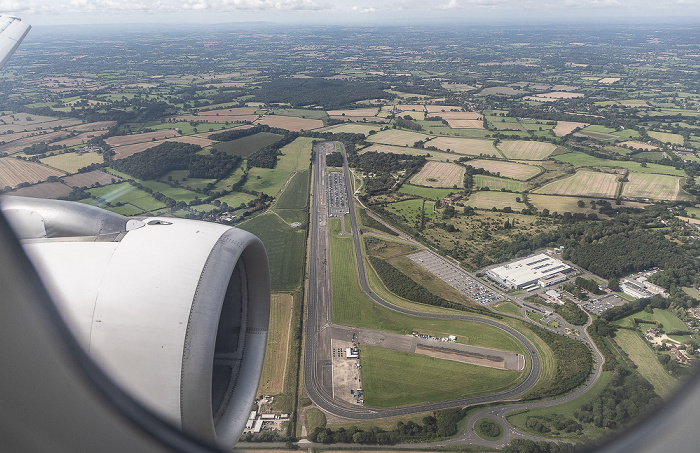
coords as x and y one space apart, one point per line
357 12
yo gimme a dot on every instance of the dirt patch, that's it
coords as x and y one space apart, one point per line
90 178
462 357
43 190
122 140
14 171
290 123
566 127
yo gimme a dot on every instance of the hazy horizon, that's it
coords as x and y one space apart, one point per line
350 12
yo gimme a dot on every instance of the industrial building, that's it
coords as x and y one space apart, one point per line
540 269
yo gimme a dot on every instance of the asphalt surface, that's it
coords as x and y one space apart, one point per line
317 342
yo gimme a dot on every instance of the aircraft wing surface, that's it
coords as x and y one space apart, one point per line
12 32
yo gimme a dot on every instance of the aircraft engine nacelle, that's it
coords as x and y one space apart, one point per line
175 311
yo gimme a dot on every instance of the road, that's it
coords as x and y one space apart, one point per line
317 343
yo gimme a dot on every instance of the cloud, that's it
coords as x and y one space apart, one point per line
279 5
363 9
196 5
99 6
451 5
16 6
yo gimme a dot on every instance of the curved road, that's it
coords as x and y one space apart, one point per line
318 317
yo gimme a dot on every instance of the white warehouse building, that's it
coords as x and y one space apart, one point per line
529 271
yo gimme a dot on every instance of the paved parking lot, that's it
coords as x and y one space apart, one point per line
456 277
598 306
337 195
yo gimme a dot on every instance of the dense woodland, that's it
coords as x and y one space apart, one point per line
331 94
155 162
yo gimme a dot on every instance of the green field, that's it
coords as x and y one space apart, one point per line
580 159
495 183
295 156
296 195
410 209
508 307
667 137
176 193
286 250
246 146
128 194
645 359
663 316
383 368
431 193
234 199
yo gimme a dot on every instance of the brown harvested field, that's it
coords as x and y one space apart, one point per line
121 140
554 96
19 145
469 146
14 171
512 170
224 84
72 162
584 183
397 137
634 103
237 111
7 138
80 138
355 112
217 119
352 128
439 109
490 199
566 127
275 364
655 187
462 120
290 123
559 204
120 152
361 119
89 178
638 145
412 107
439 174
192 140
43 190
526 150
609 80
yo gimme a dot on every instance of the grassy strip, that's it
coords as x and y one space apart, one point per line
646 361
369 222
508 307
383 368
314 418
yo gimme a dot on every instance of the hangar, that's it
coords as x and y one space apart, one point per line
529 271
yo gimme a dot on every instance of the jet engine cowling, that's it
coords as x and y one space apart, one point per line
176 311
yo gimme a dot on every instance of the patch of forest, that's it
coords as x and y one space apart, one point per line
440 425
161 159
331 94
574 363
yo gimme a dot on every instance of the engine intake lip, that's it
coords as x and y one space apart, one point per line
237 258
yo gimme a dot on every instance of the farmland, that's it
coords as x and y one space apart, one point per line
584 160
285 249
15 171
425 192
295 156
564 128
472 147
526 150
490 199
494 183
434 155
43 190
667 137
71 162
290 123
397 137
89 178
584 183
656 187
439 174
505 169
